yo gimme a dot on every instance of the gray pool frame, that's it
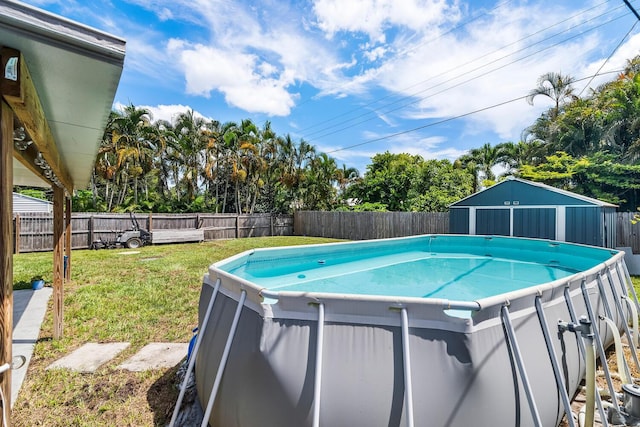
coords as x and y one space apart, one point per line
313 359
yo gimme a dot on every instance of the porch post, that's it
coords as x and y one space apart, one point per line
67 239
58 245
6 248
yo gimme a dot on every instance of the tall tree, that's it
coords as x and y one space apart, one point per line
555 86
483 160
191 141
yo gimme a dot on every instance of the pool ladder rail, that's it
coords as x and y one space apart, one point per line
589 341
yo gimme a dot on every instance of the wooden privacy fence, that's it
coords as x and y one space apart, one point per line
374 225
369 225
34 231
627 233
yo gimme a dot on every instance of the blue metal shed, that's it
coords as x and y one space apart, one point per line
520 208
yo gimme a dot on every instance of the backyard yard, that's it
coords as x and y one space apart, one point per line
144 296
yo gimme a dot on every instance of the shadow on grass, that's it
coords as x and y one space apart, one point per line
22 284
162 396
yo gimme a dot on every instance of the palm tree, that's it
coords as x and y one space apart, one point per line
191 141
555 86
318 192
131 144
212 156
346 176
513 156
481 161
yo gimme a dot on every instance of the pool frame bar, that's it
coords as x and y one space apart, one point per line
576 304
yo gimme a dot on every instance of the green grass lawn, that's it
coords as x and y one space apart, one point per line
116 295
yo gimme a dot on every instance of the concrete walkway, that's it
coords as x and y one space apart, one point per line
29 308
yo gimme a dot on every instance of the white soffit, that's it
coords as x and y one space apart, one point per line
75 70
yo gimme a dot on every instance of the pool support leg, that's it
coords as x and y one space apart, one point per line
192 360
554 363
317 388
629 283
517 355
625 320
408 389
599 346
223 360
574 319
609 314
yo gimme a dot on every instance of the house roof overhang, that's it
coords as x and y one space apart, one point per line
75 71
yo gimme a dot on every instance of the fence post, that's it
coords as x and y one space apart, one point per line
90 227
150 223
16 239
237 226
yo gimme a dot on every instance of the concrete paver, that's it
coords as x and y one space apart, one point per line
29 308
90 356
156 356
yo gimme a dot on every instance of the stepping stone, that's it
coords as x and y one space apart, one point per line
156 356
89 357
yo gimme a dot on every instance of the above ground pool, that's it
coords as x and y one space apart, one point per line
436 330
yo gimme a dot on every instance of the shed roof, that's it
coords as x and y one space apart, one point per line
520 192
23 203
75 70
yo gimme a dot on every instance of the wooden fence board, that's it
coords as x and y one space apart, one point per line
36 229
627 233
369 225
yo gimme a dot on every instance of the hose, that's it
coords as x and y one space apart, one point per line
622 367
634 321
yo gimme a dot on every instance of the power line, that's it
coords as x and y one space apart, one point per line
448 119
463 82
610 55
325 131
413 48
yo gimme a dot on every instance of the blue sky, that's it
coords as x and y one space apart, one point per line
360 77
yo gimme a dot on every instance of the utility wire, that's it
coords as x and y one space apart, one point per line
413 48
610 55
448 119
414 101
452 69
324 132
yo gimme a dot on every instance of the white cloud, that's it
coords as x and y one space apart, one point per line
373 17
167 113
433 59
492 61
238 77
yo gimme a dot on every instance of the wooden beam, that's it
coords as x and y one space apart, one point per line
58 245
6 248
67 240
20 93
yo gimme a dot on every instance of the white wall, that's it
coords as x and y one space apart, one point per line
24 204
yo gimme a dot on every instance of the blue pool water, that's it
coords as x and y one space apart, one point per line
408 275
448 267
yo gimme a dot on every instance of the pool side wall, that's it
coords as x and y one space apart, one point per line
461 369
